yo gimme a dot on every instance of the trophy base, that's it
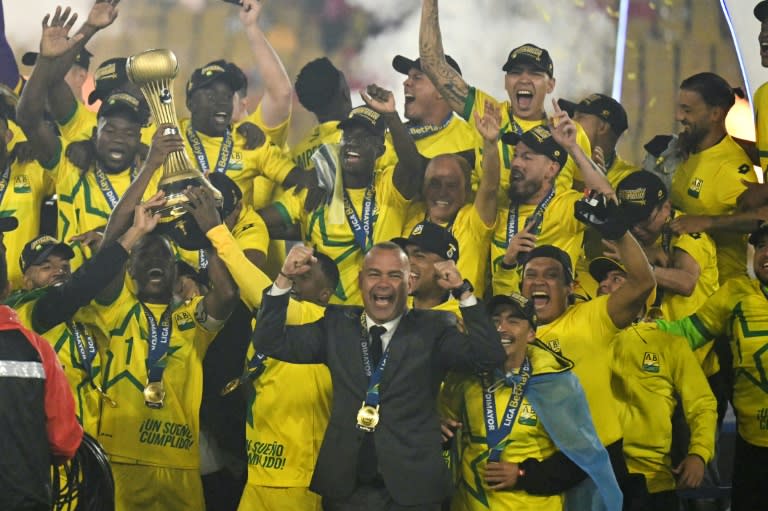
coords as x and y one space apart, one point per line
175 222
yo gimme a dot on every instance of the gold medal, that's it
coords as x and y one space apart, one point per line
368 417
654 313
230 387
154 394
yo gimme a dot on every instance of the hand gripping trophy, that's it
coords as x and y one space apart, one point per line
153 72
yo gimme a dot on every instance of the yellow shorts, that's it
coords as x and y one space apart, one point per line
269 498
150 488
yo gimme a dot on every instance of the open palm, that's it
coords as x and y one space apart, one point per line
56 40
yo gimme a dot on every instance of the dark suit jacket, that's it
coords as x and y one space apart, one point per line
407 438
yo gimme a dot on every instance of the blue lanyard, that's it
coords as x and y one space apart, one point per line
86 346
419 131
372 397
159 340
202 259
105 185
225 151
362 229
514 215
496 433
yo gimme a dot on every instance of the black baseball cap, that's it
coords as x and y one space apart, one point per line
8 223
758 233
551 252
365 117
126 103
37 250
403 64
599 267
432 238
532 55
230 192
522 307
761 10
216 70
602 106
83 59
540 140
108 76
639 194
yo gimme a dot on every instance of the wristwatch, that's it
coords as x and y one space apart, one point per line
463 288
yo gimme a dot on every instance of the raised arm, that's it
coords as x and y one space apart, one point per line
486 197
448 81
51 67
278 90
409 170
625 303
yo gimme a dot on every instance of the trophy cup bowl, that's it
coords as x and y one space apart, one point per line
153 72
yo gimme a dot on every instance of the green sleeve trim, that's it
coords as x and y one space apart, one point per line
64 120
691 328
50 165
283 212
469 104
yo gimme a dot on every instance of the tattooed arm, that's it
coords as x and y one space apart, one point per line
447 80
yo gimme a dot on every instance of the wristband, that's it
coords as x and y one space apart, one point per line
284 275
506 266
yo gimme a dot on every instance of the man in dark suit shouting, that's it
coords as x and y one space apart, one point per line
381 450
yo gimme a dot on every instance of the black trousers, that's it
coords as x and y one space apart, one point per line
372 497
748 486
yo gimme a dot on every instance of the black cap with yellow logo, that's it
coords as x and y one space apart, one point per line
640 193
531 55
540 140
217 70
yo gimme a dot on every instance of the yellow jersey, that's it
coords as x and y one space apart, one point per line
509 123
388 208
82 373
250 231
709 183
650 369
739 309
474 239
23 187
461 399
761 124
323 133
240 164
133 432
559 227
583 334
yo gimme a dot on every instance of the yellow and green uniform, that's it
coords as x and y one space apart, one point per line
474 239
17 134
509 123
559 227
583 334
23 187
338 240
250 231
709 183
761 124
165 439
650 369
83 198
462 399
455 136
242 165
324 133
739 309
88 401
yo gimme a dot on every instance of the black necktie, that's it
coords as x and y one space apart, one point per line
376 346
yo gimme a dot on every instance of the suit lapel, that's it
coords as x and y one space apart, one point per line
398 346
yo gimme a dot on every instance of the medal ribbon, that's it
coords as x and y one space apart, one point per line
514 215
225 151
159 340
86 346
362 229
497 433
372 397
202 259
105 185
5 179
419 131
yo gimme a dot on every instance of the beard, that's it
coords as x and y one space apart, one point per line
521 191
690 139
